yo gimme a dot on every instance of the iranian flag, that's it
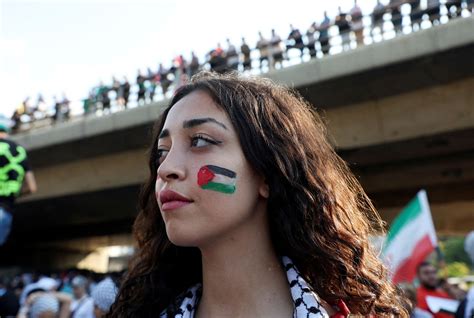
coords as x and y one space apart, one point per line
410 239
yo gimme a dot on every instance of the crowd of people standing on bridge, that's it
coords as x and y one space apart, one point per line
273 51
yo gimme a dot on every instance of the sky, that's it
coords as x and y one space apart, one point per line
68 46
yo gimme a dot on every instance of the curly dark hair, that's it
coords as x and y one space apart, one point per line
319 214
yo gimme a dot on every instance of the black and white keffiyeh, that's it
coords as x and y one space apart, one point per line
306 302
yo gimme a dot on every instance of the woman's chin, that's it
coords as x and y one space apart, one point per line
182 238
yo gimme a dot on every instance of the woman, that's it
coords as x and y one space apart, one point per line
249 212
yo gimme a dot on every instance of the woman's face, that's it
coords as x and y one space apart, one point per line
206 189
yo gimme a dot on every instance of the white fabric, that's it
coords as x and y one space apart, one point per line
263 45
469 303
45 284
276 44
420 313
357 24
469 248
306 301
104 294
44 303
6 123
79 281
439 304
469 245
83 308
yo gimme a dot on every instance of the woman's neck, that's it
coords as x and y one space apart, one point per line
243 277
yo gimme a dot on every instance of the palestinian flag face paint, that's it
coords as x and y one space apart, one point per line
217 179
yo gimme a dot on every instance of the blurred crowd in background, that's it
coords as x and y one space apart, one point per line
86 294
72 293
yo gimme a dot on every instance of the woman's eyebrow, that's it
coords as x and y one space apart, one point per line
199 121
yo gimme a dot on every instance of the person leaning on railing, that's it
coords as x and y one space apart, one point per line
245 55
344 27
356 23
397 18
324 34
377 17
433 10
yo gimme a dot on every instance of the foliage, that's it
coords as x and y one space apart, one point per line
457 269
453 250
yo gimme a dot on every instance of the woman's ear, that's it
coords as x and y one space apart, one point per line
264 189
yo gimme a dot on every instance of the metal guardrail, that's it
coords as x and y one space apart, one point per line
335 42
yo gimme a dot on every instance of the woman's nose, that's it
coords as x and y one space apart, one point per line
173 166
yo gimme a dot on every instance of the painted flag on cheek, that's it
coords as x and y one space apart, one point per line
217 179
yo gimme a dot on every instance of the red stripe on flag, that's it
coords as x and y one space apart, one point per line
406 272
204 176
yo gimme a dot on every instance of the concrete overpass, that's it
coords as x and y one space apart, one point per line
401 112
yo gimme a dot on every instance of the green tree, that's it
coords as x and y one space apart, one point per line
457 269
453 250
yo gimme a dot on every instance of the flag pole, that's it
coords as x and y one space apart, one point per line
441 262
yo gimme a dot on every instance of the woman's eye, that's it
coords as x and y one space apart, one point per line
160 155
201 141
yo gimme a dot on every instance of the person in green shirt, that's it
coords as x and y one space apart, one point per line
16 177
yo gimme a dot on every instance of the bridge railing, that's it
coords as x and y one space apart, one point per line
391 25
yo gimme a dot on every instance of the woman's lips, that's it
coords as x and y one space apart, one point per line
171 205
171 200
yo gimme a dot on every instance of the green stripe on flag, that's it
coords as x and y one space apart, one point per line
409 213
220 187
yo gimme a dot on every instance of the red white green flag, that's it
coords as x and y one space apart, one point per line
410 239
